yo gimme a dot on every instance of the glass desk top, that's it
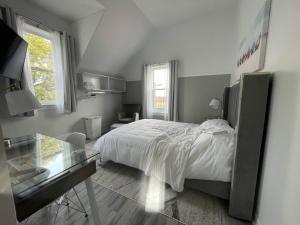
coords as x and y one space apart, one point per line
38 159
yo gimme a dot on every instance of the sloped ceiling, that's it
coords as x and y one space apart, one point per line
122 31
162 13
110 32
69 10
84 30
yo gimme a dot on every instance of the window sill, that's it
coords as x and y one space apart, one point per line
158 113
48 107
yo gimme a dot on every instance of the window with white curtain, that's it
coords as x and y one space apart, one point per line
160 94
160 88
44 61
157 91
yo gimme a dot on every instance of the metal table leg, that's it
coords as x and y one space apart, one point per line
92 200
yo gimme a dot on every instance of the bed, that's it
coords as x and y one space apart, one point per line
172 151
221 157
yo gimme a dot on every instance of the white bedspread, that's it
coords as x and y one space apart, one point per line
172 151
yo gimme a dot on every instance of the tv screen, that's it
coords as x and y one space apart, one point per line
12 53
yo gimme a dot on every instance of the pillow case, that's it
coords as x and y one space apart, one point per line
216 126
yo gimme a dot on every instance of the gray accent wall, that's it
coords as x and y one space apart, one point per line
134 92
194 95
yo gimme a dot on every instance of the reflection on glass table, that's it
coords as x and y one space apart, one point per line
37 163
34 159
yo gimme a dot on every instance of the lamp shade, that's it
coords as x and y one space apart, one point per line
215 104
18 102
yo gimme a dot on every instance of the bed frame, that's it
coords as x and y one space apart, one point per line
245 108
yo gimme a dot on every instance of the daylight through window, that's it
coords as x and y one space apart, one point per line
42 64
160 88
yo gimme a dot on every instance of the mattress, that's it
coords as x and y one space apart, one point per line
172 151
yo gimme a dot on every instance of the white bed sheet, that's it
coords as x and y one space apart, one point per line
172 151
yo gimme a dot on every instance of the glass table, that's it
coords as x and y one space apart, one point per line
40 165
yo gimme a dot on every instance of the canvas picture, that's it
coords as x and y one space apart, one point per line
253 47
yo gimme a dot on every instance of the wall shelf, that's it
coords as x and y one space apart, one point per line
101 84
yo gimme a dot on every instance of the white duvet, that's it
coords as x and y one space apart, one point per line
172 151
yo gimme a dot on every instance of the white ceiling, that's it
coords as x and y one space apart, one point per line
160 13
69 10
120 34
125 25
163 13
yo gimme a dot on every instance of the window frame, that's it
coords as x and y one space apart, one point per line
158 111
46 34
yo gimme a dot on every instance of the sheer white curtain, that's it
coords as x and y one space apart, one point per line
59 72
54 36
64 66
150 111
27 82
161 90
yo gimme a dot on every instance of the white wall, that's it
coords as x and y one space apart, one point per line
279 198
48 121
204 46
84 29
122 31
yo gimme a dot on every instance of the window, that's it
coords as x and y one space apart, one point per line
160 88
43 62
160 91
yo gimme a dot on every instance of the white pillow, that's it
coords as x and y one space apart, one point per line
216 126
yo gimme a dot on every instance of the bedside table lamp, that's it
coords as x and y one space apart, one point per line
216 105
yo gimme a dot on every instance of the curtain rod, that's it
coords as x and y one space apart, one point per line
159 64
38 24
156 64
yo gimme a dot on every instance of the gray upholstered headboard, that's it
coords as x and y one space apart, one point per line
245 108
231 103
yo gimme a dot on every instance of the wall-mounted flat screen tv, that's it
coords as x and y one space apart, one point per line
12 53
